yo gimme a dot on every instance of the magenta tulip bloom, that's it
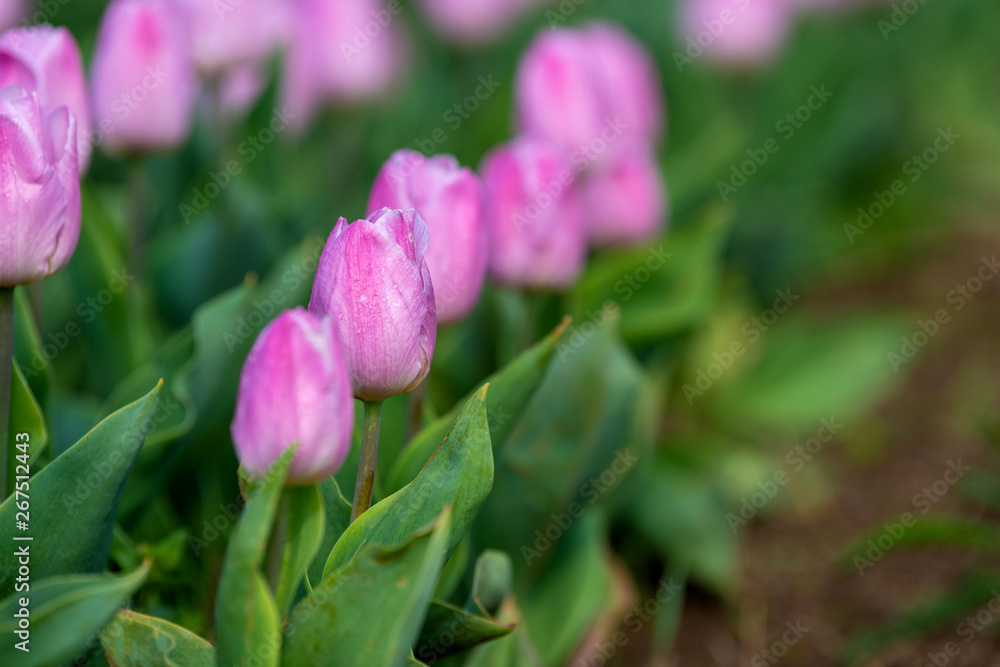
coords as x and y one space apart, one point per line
143 79
473 21
536 219
341 51
373 282
584 89
295 388
47 60
39 179
449 199
626 199
734 33
226 35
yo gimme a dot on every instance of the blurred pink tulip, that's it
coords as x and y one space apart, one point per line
228 34
47 60
144 83
240 88
733 32
449 198
13 13
471 21
572 85
341 51
536 218
626 198
373 283
295 389
39 181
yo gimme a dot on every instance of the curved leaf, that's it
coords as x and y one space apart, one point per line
137 639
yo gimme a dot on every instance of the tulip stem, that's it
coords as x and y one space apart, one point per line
6 368
369 455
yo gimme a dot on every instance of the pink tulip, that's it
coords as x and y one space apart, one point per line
536 218
734 32
143 78
341 51
374 284
229 34
47 60
39 179
626 199
13 13
295 389
472 21
449 198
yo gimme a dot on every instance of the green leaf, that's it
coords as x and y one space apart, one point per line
662 289
927 531
66 612
514 650
449 629
568 597
581 425
510 390
371 610
336 519
25 417
137 639
459 475
302 509
74 499
247 622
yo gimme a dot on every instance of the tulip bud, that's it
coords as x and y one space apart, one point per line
626 199
373 282
39 179
536 219
474 20
225 35
449 199
47 60
342 51
743 34
143 78
583 89
295 388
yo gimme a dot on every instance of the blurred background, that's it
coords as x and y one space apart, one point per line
810 382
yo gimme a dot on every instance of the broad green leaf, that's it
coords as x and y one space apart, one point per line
66 612
459 475
511 388
454 570
660 289
139 640
25 417
336 519
449 629
371 610
573 445
808 373
247 621
566 600
74 499
302 512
